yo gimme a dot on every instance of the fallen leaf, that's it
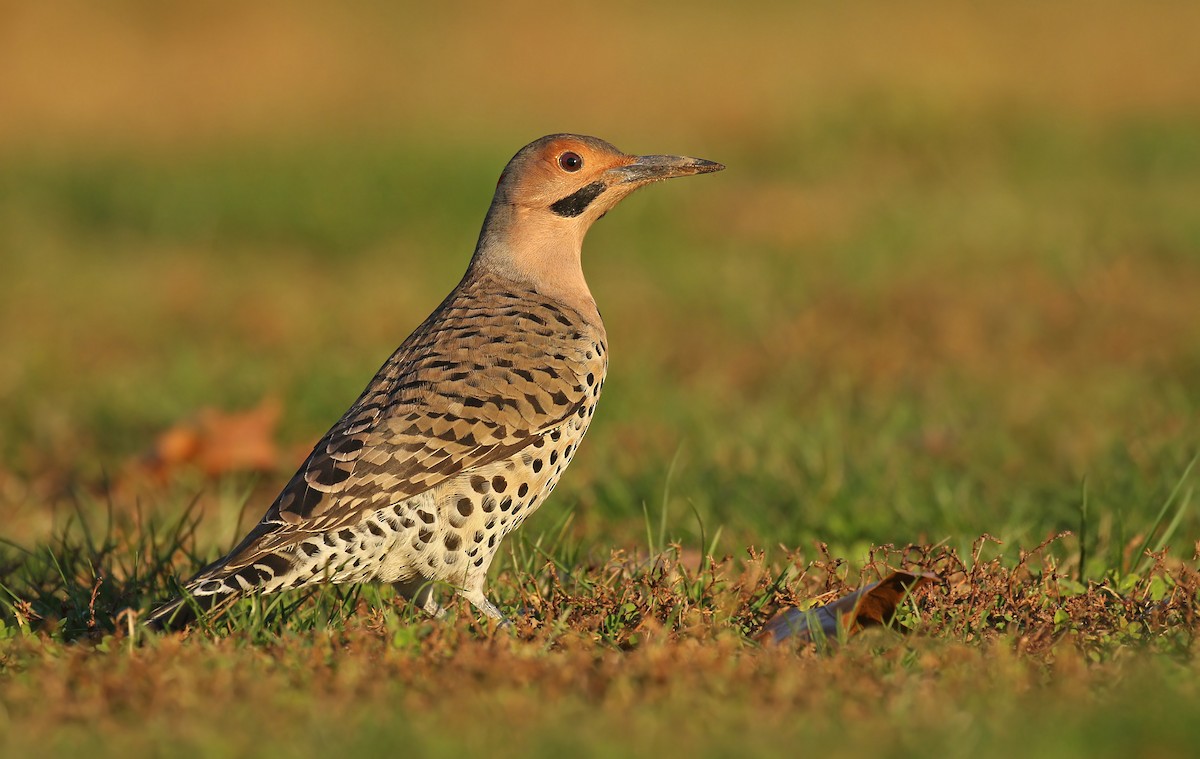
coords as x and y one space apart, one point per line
217 442
867 607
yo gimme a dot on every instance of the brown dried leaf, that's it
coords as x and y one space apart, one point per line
868 607
217 442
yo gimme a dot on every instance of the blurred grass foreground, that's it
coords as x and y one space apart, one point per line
949 286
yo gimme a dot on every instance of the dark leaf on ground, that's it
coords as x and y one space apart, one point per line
868 607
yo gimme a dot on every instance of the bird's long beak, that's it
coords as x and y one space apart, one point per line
651 168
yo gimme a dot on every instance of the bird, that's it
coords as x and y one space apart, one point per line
470 423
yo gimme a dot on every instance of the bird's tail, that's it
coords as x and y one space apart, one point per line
190 606
211 589
221 583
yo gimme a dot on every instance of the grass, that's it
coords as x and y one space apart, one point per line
626 650
941 311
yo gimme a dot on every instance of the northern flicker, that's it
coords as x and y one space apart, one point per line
468 426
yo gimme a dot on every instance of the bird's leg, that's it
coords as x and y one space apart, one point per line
472 590
480 601
419 591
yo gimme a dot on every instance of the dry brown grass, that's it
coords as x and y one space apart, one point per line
624 636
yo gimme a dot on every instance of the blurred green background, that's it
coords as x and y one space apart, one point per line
951 274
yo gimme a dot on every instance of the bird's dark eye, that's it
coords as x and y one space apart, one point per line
570 161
